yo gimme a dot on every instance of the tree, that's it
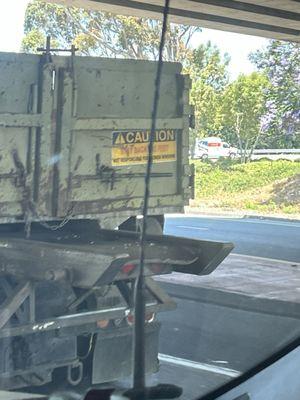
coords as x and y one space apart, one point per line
209 72
281 62
103 34
208 65
243 107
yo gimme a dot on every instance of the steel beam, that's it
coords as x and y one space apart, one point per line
13 302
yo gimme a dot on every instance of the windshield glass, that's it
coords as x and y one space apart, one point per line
221 255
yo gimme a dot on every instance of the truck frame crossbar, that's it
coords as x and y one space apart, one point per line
80 320
90 261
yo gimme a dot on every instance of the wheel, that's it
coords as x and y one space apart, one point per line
232 156
204 157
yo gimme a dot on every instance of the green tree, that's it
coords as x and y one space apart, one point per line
280 61
103 34
208 65
209 72
243 107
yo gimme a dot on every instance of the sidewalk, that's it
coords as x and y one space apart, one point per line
244 282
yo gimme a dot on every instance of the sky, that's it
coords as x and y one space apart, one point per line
236 45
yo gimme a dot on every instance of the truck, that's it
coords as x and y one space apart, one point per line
74 134
213 148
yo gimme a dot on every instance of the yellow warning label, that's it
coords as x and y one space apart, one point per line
131 147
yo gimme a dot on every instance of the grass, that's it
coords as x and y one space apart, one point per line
264 186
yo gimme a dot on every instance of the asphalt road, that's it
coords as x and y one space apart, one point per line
203 345
252 236
211 344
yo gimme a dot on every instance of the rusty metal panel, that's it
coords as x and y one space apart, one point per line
116 96
18 76
60 153
124 88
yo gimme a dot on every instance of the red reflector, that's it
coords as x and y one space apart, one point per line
214 144
130 319
149 317
128 268
103 323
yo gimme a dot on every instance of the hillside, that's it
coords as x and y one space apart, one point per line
262 186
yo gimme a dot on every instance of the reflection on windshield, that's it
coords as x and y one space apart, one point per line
221 258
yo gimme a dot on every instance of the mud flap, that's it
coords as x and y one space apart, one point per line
112 359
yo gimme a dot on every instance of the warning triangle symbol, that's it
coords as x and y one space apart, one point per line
120 139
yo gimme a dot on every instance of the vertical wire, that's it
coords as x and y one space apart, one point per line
139 292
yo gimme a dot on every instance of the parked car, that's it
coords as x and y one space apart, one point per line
213 148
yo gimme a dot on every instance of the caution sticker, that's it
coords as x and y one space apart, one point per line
131 147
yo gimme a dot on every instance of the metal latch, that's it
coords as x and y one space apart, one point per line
192 180
105 172
192 119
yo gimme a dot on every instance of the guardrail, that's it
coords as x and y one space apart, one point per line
276 154
271 154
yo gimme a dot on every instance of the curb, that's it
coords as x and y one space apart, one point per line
233 300
239 214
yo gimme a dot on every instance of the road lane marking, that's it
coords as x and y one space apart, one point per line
198 365
192 227
220 361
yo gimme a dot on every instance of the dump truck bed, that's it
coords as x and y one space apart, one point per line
74 134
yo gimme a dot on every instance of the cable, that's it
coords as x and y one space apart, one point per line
139 292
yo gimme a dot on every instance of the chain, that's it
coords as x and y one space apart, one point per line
29 208
45 224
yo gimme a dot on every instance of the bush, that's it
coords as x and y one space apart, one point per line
226 176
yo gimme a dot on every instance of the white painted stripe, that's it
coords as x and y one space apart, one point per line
198 365
192 227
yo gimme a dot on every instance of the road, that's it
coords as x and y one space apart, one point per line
199 336
252 236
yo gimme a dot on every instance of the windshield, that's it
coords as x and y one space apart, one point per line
120 269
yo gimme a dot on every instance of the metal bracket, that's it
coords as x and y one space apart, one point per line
76 366
47 50
13 302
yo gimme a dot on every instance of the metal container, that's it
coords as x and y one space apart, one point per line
74 137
